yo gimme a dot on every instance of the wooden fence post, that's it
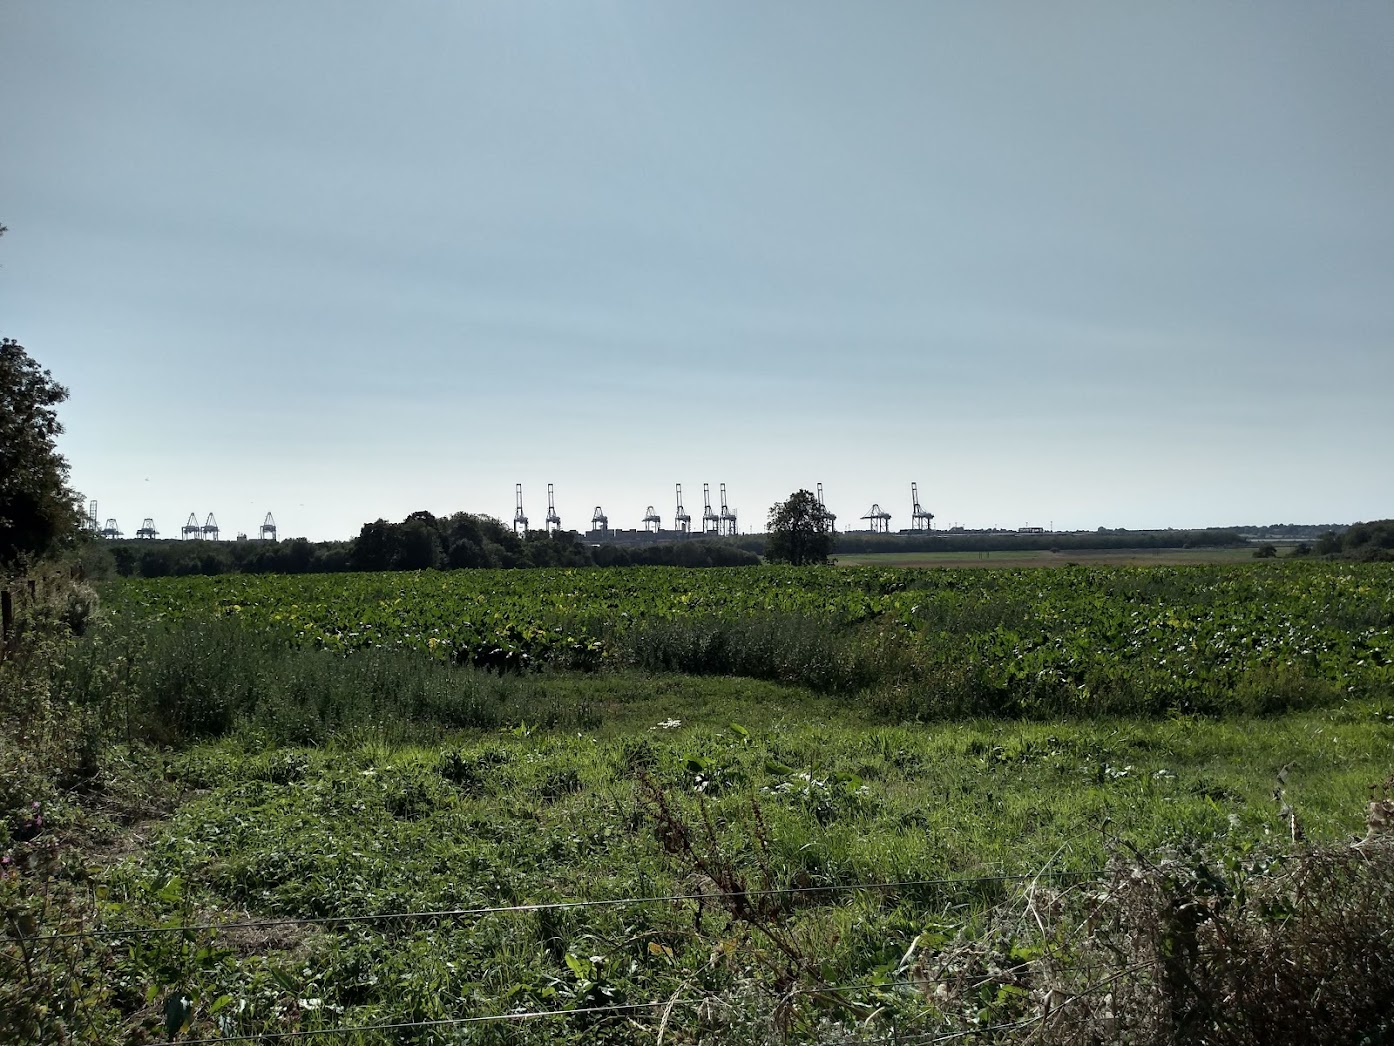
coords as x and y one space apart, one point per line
7 622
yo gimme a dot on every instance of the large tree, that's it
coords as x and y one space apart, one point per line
800 531
38 510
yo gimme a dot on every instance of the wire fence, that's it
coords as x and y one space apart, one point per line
896 1038
615 1009
542 906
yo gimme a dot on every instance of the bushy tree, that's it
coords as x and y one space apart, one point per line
800 531
38 510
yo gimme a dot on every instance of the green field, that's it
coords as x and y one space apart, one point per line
687 790
1046 558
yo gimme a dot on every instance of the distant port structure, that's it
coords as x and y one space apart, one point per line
192 530
718 519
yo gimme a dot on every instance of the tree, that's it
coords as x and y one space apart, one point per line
38 510
800 531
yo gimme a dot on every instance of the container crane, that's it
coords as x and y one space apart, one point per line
727 520
920 519
711 522
553 520
832 520
880 520
681 520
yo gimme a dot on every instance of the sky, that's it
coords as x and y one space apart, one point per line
1067 265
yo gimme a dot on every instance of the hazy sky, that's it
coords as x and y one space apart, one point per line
1083 264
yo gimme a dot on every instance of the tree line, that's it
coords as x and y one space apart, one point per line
422 541
1011 541
1361 541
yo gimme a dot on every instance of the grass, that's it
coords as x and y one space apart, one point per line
156 775
796 790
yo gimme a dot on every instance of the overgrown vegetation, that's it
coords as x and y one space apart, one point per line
222 752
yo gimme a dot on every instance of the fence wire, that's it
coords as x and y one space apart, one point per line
542 906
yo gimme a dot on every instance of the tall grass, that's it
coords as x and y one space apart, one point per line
168 683
899 675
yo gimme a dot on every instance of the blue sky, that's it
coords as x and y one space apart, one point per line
1072 264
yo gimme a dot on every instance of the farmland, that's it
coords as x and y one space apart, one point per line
307 760
1205 639
1115 557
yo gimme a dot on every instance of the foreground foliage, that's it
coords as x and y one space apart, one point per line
214 814
38 509
662 797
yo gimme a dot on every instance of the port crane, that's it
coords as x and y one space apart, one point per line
681 520
879 519
920 519
711 522
727 519
553 520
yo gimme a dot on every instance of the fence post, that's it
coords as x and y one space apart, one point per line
7 621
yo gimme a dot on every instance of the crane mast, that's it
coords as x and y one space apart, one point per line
727 520
711 522
553 520
920 519
681 520
832 520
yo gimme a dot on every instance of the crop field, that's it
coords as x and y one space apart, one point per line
1117 557
854 805
941 642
